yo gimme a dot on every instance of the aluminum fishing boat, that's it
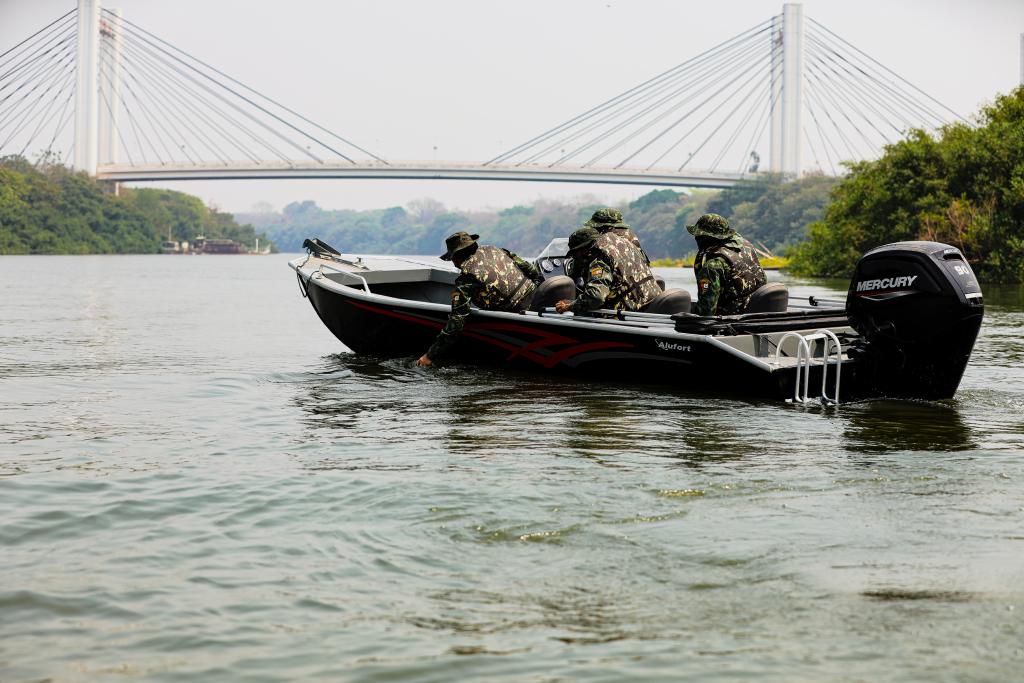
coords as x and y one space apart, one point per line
905 330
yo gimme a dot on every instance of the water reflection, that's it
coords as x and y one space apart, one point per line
880 426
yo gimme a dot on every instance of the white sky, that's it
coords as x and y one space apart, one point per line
474 78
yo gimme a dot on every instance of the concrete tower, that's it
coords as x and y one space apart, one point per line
787 73
86 89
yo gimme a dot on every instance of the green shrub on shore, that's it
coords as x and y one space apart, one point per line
964 187
49 209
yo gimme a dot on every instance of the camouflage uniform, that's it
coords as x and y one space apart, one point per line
610 220
727 269
492 279
615 273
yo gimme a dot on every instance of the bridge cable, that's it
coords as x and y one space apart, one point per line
810 144
250 89
872 83
703 74
48 113
826 91
821 135
757 103
695 74
869 57
234 106
142 50
61 125
49 74
863 89
46 63
117 129
126 73
173 105
33 50
721 123
812 101
622 108
679 120
143 46
774 94
61 78
628 93
698 80
107 62
899 96
269 113
59 19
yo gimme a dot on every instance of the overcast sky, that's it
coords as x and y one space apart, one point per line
474 78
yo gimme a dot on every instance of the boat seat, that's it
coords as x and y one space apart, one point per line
770 298
553 290
669 302
661 282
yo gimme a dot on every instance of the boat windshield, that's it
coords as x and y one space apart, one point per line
556 248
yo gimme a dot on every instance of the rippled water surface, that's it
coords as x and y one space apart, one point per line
197 482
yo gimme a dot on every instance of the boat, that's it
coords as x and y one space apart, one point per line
905 330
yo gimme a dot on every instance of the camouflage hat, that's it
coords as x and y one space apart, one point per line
606 219
584 237
711 225
457 242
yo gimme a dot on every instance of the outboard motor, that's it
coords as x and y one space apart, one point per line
918 309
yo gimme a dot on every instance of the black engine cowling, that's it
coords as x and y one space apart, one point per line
918 309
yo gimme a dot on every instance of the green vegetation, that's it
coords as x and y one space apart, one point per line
774 213
659 217
48 209
766 210
965 188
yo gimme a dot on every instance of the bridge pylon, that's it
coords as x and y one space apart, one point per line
787 80
87 103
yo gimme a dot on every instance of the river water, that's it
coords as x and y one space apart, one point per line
197 482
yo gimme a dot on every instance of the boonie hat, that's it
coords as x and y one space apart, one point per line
458 242
711 225
606 219
584 237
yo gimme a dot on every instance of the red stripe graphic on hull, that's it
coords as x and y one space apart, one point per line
544 341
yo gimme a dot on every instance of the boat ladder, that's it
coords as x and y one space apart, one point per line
804 363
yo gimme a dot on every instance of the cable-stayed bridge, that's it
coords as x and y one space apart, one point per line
123 104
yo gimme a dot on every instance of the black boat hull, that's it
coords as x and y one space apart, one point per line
390 327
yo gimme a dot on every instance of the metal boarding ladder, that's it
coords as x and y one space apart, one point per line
803 364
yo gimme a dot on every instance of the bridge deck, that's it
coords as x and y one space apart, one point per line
420 171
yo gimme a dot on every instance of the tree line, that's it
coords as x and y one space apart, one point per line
963 186
768 210
46 208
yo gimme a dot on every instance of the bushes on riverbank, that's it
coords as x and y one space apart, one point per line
48 209
964 187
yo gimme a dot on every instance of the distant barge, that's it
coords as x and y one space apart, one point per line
205 245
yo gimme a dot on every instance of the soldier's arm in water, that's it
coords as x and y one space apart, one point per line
528 269
595 291
709 285
462 295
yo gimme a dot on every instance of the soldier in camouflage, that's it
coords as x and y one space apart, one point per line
492 279
616 275
610 220
726 267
